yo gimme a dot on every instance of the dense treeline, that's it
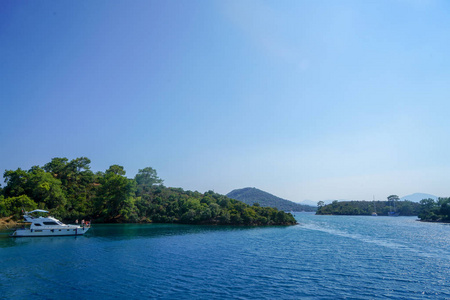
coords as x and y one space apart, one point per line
382 208
70 190
435 211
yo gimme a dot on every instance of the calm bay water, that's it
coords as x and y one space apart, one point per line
325 257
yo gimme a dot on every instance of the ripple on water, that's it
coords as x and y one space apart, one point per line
325 258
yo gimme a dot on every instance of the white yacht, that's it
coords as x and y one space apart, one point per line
48 226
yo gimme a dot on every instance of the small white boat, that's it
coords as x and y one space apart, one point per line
374 214
48 226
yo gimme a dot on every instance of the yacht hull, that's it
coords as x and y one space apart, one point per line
49 232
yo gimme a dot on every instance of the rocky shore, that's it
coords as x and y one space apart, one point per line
7 223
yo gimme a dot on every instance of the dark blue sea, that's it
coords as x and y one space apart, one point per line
324 257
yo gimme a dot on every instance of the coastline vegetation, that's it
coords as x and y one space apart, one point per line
428 210
70 191
435 211
404 208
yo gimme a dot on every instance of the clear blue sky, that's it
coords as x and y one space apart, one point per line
303 99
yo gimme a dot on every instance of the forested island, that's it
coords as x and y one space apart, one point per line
70 191
403 208
427 210
435 211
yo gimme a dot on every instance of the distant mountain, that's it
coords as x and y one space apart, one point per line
253 195
416 197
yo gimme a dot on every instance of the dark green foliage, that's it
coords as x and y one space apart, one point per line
13 206
435 211
254 195
70 190
161 204
404 208
146 178
114 198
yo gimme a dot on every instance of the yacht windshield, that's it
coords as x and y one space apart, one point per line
50 223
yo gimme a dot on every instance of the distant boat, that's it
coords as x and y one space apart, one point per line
393 213
374 214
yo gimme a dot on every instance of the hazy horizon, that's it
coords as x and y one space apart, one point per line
304 99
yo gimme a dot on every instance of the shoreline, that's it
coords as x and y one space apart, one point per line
434 221
8 223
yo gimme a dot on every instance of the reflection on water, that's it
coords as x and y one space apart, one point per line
116 232
7 241
131 231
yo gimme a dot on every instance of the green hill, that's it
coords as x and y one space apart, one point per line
253 195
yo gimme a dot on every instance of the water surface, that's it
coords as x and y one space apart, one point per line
324 257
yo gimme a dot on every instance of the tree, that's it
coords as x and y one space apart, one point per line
15 182
427 204
4 212
16 205
38 185
444 209
79 164
428 209
116 170
320 204
393 198
57 167
113 196
146 178
43 187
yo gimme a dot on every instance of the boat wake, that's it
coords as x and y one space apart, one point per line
383 242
